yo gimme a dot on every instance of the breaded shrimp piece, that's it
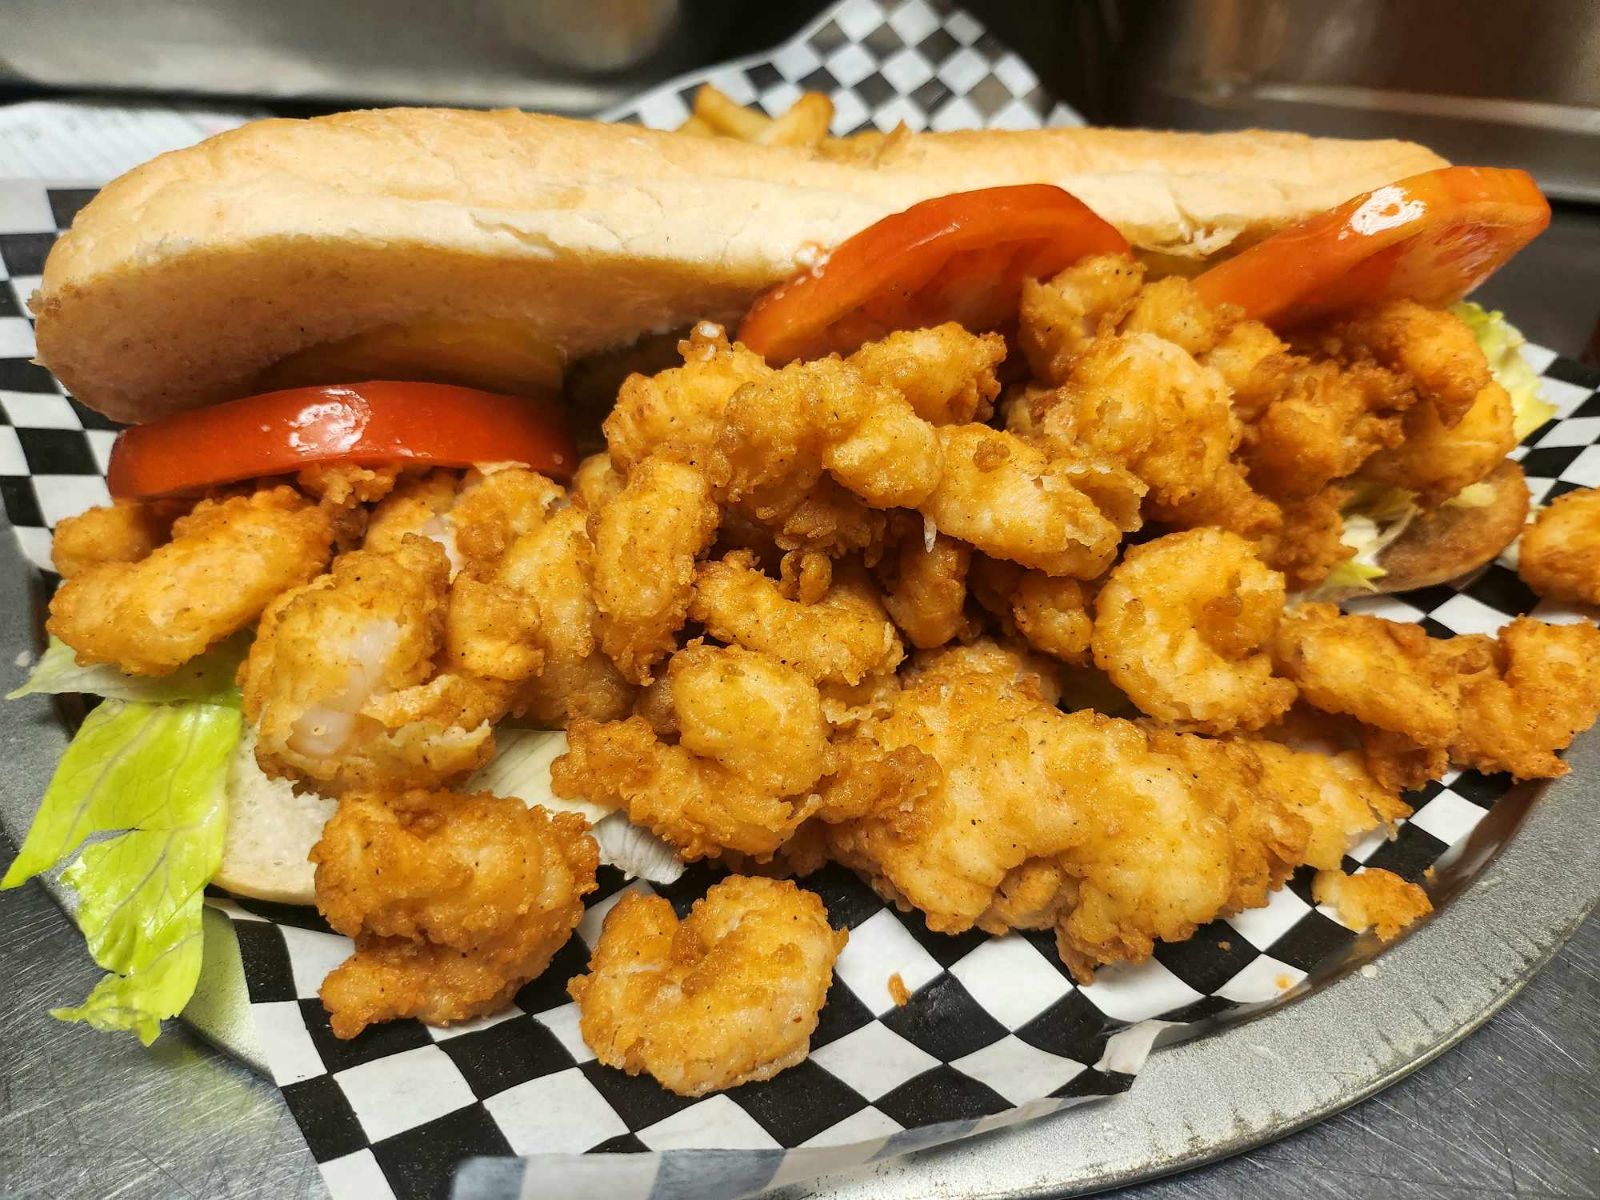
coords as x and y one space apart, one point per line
455 901
1183 625
759 717
1560 551
1249 357
1309 541
226 562
646 542
1010 500
1388 674
729 995
1334 793
123 532
682 406
420 505
341 683
1051 615
1061 316
551 572
697 804
925 586
805 575
842 638
946 373
597 482
1172 309
1373 899
1432 347
1525 696
497 507
1437 460
781 433
1013 664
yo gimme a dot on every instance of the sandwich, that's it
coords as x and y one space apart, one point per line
314 327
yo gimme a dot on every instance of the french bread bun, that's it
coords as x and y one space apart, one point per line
1453 540
185 281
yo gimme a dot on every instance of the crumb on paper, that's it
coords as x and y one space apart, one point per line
1225 947
1369 971
1283 983
1430 874
898 991
1375 899
24 659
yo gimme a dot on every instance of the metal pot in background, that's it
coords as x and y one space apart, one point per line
1487 81
572 56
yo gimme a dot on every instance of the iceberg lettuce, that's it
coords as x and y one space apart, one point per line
204 678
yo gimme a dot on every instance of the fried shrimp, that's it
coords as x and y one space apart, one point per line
1338 798
454 901
597 482
1560 551
420 505
646 542
1061 316
124 532
1183 625
1433 349
1437 460
1051 615
1373 899
729 995
1386 674
1526 695
945 373
226 562
842 638
341 683
925 586
1011 500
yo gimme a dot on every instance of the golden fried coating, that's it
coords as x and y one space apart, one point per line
698 804
345 485
597 482
1061 316
946 373
420 505
1525 696
842 638
341 682
1182 625
497 507
1373 899
550 571
1172 309
1309 542
123 532
1145 850
1437 460
805 575
780 434
226 562
1051 615
1560 551
925 586
1249 357
454 901
1334 793
682 406
1011 500
646 542
759 717
729 995
1387 674
1432 347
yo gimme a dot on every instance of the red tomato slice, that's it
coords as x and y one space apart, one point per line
368 424
1431 238
956 258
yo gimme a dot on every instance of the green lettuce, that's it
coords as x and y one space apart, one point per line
202 678
1502 344
148 781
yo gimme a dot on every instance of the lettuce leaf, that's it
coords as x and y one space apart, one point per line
153 778
521 768
1502 344
204 678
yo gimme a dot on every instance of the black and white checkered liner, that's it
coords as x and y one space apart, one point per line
996 1031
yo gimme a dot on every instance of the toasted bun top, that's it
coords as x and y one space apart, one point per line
187 278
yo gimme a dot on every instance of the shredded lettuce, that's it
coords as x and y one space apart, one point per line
202 678
521 768
1502 344
148 780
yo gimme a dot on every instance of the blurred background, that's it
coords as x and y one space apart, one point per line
1513 82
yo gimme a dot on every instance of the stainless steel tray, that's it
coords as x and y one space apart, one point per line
1525 882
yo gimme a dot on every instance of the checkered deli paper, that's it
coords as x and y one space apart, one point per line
995 1031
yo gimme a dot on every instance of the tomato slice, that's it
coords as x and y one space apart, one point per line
956 258
1431 238
367 424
